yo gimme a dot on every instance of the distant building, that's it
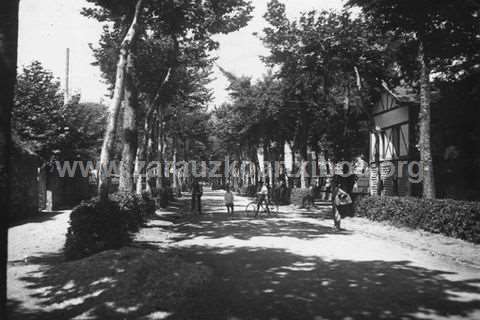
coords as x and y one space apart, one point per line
396 116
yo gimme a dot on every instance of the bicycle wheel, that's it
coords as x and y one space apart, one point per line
251 209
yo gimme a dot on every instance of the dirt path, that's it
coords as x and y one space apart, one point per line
295 266
31 245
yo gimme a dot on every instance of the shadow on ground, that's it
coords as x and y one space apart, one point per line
258 283
254 282
273 284
219 225
42 216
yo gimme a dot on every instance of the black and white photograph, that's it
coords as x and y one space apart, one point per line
240 159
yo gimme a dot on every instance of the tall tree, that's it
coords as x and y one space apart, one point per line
319 58
109 142
39 109
184 21
130 138
8 69
443 33
41 120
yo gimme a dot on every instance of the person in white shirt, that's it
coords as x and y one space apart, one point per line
263 197
229 200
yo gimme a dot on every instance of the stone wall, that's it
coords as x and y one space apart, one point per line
24 195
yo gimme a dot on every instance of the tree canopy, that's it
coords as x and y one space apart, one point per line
41 119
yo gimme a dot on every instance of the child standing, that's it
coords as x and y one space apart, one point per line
229 200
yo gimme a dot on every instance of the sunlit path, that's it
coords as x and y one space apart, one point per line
296 266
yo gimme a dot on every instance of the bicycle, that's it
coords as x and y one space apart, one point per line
252 209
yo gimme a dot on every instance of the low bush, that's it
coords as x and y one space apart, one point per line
248 191
136 208
97 225
298 196
282 195
458 219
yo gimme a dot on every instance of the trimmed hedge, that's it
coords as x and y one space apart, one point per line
97 225
458 219
136 209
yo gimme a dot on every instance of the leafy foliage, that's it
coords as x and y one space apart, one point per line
96 226
456 138
447 29
85 125
37 116
42 120
173 63
137 208
459 219
312 99
103 225
253 116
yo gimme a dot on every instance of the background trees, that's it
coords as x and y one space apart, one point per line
318 57
328 68
38 109
176 37
41 119
442 35
331 67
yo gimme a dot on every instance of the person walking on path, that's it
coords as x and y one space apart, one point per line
228 197
196 197
342 187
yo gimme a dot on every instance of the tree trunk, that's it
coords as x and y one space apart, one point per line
424 125
145 148
138 171
142 151
303 159
161 149
8 69
174 164
346 108
152 150
109 140
130 142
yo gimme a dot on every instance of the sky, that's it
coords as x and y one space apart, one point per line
48 27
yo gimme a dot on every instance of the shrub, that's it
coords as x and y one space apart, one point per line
282 195
97 226
297 196
248 191
459 219
136 208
